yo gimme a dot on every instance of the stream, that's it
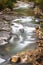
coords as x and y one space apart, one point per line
21 36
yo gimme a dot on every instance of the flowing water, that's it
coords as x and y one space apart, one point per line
22 36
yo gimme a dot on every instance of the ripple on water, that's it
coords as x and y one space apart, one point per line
24 19
24 5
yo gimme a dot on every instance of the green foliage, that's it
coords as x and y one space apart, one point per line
14 1
38 1
9 4
6 3
2 4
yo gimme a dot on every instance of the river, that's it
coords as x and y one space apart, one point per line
22 36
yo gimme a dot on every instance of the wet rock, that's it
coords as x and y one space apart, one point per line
6 10
13 38
39 60
40 45
9 11
4 35
4 25
15 59
1 12
7 18
30 63
2 42
21 30
16 36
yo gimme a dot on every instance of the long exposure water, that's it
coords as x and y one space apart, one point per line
22 36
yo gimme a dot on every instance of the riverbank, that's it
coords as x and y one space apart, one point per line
32 57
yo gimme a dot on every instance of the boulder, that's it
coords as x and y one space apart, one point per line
21 30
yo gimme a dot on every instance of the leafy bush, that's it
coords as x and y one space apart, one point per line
14 1
38 1
6 3
9 4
